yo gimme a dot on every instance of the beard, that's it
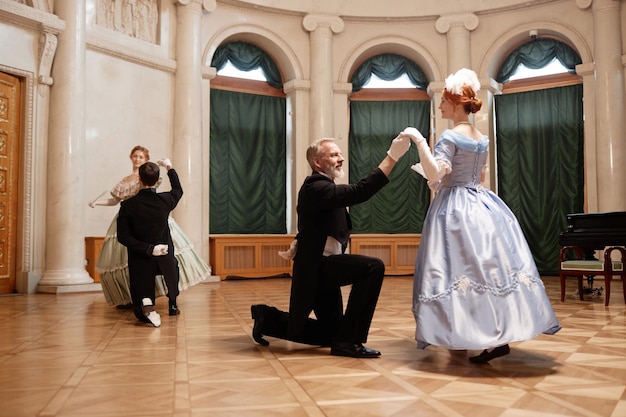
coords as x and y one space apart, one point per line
334 172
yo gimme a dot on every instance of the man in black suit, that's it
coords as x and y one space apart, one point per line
321 267
143 228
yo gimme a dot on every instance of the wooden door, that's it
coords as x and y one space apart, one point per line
10 105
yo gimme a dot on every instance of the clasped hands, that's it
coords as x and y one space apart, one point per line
401 144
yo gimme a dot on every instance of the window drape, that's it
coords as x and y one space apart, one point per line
400 207
248 164
246 57
388 67
540 164
537 54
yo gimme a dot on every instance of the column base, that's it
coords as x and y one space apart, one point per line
65 278
66 289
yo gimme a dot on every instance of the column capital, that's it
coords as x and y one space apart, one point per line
208 5
342 88
586 69
598 4
468 20
583 4
316 21
490 85
435 87
208 73
296 85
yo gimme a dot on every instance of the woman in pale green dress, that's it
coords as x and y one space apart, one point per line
112 263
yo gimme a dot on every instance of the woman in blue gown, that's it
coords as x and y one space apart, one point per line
476 285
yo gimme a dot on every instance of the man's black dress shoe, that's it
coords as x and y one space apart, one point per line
257 329
353 350
174 310
486 355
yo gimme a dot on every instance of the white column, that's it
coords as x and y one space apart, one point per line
587 72
65 244
187 155
483 120
341 92
208 73
457 28
609 110
321 108
298 169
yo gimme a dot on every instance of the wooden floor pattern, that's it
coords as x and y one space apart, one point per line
72 355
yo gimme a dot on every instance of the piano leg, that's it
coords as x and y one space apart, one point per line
590 256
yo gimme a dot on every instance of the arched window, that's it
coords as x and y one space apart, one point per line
377 115
539 143
246 57
538 53
247 145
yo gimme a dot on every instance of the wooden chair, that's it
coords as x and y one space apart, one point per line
580 267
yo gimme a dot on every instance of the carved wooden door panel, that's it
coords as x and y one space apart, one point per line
10 105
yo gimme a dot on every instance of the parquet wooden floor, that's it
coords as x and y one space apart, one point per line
73 355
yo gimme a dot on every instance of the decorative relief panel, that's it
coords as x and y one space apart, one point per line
3 262
3 142
4 108
3 181
136 18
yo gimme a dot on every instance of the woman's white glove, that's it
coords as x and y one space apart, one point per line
415 135
432 169
165 163
104 201
159 250
399 146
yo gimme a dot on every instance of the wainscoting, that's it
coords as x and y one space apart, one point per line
397 251
249 256
93 244
256 256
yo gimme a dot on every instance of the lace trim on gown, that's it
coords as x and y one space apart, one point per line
464 283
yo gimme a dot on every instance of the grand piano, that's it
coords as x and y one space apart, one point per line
594 231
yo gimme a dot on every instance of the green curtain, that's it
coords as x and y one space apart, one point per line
537 54
388 67
540 164
400 207
248 163
246 57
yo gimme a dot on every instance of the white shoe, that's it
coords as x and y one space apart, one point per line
154 318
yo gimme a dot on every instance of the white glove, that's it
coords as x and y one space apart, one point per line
419 169
165 163
291 252
159 250
415 135
399 146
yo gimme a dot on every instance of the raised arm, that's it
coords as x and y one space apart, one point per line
104 200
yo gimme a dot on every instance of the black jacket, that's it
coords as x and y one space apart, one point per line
321 213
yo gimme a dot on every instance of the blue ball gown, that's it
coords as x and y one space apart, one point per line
476 284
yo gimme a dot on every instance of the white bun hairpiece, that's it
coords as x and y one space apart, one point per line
464 76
